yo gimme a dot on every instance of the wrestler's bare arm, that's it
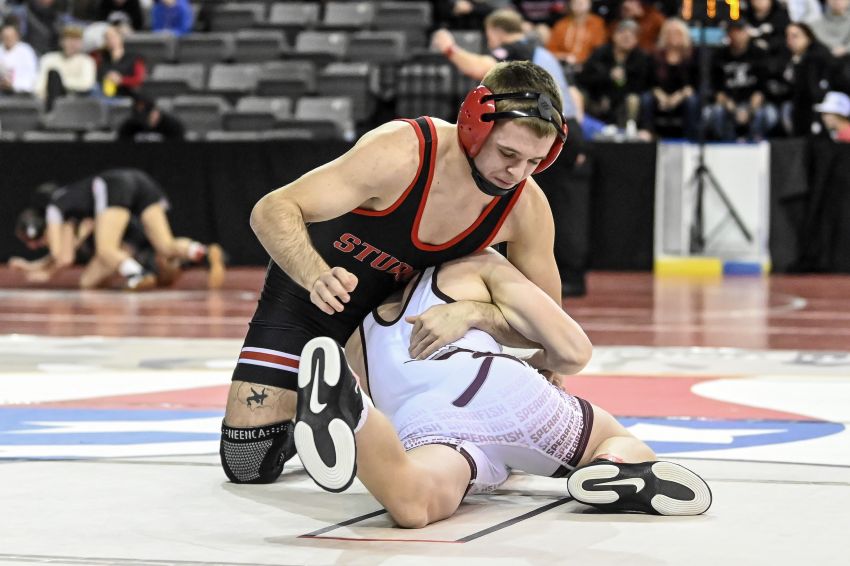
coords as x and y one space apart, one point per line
536 316
60 241
371 174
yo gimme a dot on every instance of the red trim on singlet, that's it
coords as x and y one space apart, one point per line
399 200
259 356
504 217
414 234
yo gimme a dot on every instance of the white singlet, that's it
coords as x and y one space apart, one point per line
500 413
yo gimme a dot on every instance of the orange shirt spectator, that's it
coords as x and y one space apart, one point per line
574 37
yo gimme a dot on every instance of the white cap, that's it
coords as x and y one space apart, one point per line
835 103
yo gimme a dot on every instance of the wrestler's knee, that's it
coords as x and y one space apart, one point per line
256 434
410 508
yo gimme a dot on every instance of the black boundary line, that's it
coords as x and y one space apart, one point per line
345 523
515 520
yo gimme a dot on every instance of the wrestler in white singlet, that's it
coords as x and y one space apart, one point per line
499 412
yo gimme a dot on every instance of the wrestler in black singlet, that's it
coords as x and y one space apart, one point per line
126 188
380 247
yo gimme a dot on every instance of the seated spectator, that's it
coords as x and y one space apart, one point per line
649 21
671 107
614 77
575 36
833 30
172 15
132 9
150 121
767 20
466 14
802 81
119 73
738 80
40 22
66 71
18 61
541 15
806 11
835 115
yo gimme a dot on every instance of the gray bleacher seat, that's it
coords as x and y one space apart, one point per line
256 46
287 78
232 136
470 40
317 112
277 106
355 80
425 90
173 80
348 15
238 78
102 137
200 114
377 46
412 18
257 113
322 47
42 136
118 110
19 115
152 47
292 16
205 48
76 113
237 15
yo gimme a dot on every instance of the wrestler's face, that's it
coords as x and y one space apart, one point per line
511 153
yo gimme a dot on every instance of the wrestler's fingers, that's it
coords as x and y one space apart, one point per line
345 277
337 289
317 300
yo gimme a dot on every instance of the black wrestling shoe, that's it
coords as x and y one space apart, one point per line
660 488
330 406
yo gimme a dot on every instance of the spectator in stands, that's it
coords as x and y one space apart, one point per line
132 8
541 15
575 36
175 16
671 106
18 61
806 11
833 30
767 20
149 120
648 19
119 73
40 24
466 14
738 77
66 71
803 79
835 115
615 76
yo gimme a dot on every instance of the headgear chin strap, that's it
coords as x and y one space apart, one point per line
478 115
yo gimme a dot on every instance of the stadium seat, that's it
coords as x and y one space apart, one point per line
355 80
348 15
19 115
256 46
205 48
278 106
233 79
314 112
174 80
377 46
257 113
152 47
200 114
42 136
425 90
76 114
237 15
118 110
293 15
287 78
412 18
322 47
100 136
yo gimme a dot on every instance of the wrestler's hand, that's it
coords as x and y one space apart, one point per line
332 288
438 326
38 276
18 264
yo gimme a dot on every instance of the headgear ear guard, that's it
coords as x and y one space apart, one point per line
478 115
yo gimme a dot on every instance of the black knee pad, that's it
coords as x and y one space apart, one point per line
256 454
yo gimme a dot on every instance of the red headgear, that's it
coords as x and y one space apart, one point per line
478 115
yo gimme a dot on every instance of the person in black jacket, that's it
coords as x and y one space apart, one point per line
614 76
802 80
767 21
738 81
147 118
132 8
